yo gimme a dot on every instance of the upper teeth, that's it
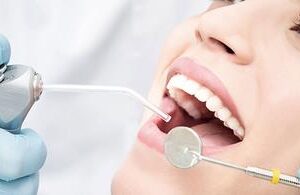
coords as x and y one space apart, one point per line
203 94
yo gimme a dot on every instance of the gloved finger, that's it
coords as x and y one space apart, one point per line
4 50
24 186
20 154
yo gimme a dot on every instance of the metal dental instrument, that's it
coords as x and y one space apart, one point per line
183 148
21 87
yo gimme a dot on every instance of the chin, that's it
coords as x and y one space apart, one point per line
139 172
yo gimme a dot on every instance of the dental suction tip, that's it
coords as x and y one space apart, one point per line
167 118
164 116
100 88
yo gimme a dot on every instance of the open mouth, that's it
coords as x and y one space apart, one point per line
201 104
202 110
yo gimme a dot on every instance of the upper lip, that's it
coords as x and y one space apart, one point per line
202 75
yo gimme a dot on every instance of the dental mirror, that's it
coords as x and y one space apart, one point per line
178 143
183 149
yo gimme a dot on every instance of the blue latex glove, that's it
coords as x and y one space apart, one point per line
21 155
4 50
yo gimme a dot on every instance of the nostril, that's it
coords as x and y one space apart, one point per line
228 49
224 46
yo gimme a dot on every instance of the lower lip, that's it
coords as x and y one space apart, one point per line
150 134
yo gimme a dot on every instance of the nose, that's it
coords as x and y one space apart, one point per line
228 30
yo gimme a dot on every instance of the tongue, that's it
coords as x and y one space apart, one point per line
214 135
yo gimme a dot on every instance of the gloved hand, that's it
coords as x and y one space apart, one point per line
21 155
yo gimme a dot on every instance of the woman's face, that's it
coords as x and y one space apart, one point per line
247 54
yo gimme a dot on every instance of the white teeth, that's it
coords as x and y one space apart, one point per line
190 108
232 123
191 87
172 93
213 103
223 114
186 104
240 132
177 81
203 94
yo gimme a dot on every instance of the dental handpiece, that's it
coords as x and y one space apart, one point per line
183 148
21 87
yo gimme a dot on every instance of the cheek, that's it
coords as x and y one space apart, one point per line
181 38
283 111
280 93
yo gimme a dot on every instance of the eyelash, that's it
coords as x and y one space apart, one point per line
295 27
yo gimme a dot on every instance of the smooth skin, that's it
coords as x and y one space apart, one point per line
262 77
21 155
